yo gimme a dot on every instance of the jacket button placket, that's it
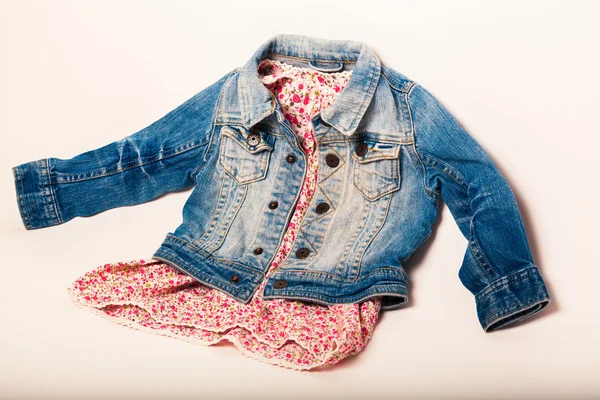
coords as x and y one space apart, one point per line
290 159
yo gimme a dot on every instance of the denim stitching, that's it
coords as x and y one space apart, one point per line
206 255
436 194
205 279
362 247
402 90
213 222
381 271
428 192
389 188
505 313
54 203
310 59
517 276
23 208
352 239
480 256
381 223
262 163
372 292
222 234
320 139
309 243
319 217
196 170
342 162
432 160
446 170
520 306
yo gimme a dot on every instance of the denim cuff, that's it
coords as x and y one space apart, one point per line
35 196
512 298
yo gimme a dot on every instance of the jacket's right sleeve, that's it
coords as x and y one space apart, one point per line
498 268
163 157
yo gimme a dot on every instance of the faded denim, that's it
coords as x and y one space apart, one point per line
383 202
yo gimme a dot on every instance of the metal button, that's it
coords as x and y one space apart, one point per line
280 284
332 160
322 208
361 149
291 158
273 205
258 250
302 252
234 279
253 139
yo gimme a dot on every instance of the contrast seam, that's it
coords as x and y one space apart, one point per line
507 312
517 276
54 203
208 255
405 91
436 194
23 207
432 161
212 131
310 58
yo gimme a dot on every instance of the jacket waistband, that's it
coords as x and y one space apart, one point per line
217 274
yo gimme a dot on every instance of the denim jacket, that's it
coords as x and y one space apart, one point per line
388 152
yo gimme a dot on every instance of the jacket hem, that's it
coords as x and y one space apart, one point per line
302 285
208 270
397 291
215 273
512 298
34 194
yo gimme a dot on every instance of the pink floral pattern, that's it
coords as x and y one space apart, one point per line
148 294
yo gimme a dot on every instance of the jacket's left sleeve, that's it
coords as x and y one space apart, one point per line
498 267
163 157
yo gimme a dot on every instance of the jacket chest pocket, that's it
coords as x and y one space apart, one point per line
376 170
245 154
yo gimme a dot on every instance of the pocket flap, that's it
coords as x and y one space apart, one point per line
240 135
378 151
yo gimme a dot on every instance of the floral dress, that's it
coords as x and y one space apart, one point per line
149 295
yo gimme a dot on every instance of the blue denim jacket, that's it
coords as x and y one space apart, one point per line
389 151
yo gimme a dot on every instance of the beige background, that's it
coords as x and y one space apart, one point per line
522 77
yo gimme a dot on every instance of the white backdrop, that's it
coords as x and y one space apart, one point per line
522 77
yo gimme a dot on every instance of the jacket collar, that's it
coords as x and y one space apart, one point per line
257 102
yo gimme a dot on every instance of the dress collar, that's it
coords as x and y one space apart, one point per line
257 102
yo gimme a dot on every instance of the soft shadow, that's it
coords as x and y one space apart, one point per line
416 259
535 250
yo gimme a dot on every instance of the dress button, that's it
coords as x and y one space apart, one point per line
322 208
273 205
291 158
302 252
234 279
361 149
332 160
258 250
253 139
280 284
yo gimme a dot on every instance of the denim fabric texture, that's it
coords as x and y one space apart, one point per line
388 152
